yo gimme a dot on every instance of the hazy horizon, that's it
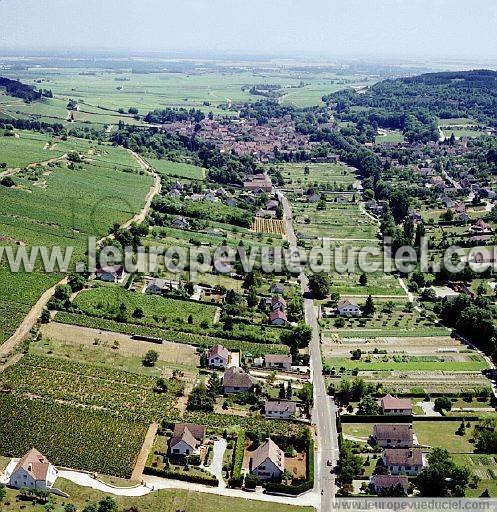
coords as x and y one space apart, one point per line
328 29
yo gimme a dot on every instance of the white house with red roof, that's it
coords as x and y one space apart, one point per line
32 471
393 406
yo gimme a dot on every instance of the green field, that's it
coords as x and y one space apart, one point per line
105 301
57 205
158 501
73 437
177 169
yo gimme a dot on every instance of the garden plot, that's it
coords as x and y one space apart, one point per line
324 175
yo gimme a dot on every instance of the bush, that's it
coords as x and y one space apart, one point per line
238 453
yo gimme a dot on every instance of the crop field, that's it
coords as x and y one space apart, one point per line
273 226
60 206
28 147
176 336
389 136
177 169
335 222
378 285
73 437
328 175
105 301
123 393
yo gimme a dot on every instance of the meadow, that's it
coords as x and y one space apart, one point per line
177 169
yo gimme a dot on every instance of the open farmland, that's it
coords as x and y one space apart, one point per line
177 169
73 437
105 301
271 226
57 205
123 393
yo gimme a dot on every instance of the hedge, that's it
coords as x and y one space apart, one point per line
236 479
176 475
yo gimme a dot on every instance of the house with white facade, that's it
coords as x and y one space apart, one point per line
347 308
187 439
280 409
268 461
33 471
218 357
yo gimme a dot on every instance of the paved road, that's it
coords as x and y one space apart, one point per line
325 409
216 467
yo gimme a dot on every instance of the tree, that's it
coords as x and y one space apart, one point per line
363 279
282 392
108 504
252 299
214 385
69 508
350 464
306 396
138 313
369 406
369 307
151 357
76 282
319 284
289 390
161 385
399 203
3 492
200 399
7 182
442 403
92 507
442 477
45 316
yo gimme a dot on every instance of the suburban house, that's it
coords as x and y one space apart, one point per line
391 405
278 317
279 361
218 357
407 461
347 308
280 409
236 380
382 483
33 471
156 286
278 303
389 435
268 461
112 274
187 438
480 227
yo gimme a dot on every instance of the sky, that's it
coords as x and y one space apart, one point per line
462 29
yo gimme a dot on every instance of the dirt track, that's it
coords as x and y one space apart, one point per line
34 314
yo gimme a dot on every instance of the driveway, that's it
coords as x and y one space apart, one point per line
428 408
216 467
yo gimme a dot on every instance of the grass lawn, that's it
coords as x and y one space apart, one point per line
160 501
363 430
443 435
483 466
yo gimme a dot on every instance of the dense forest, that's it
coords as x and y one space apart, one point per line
23 91
412 104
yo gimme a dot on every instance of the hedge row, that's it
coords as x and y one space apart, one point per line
176 475
236 479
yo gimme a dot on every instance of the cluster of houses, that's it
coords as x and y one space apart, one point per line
246 136
266 462
237 380
400 456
